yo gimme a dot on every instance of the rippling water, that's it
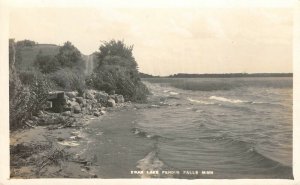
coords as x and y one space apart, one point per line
236 127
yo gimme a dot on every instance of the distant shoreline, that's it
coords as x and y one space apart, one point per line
225 75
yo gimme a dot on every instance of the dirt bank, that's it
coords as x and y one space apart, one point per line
55 150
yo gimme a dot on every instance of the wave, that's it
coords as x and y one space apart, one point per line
219 98
237 101
150 162
247 150
142 133
200 101
174 93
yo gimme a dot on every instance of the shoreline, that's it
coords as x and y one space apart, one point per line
54 150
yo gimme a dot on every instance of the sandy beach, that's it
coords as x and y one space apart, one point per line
70 152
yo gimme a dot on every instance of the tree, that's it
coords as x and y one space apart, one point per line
24 43
116 53
117 71
70 56
46 63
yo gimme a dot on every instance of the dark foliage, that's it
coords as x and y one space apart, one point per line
230 75
24 43
117 72
25 99
70 56
46 63
69 79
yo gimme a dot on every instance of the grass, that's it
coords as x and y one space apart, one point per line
28 55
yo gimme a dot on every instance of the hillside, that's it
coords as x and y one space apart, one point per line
28 54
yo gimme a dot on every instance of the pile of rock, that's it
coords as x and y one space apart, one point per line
92 102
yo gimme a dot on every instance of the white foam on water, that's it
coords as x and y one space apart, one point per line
200 101
219 98
68 143
174 93
149 163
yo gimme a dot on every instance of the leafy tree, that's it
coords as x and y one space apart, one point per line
25 42
70 56
25 100
117 71
116 53
46 63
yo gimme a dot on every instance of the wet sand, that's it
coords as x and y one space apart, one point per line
103 147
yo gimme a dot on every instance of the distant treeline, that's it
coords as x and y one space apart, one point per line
144 75
230 75
225 75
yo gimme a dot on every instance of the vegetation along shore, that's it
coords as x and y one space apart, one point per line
53 97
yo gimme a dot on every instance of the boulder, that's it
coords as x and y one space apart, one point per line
67 113
89 95
80 100
101 96
119 99
97 114
72 94
111 103
58 100
48 104
75 107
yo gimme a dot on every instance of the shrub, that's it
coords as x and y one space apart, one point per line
46 63
116 71
24 43
69 79
70 57
28 100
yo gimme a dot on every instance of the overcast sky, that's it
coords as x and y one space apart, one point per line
171 40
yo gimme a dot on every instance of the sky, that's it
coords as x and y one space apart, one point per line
168 40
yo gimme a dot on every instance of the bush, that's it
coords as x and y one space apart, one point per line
117 72
27 77
70 57
24 43
69 79
118 80
46 63
28 100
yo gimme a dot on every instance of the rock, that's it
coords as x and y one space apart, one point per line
119 99
89 107
111 103
89 95
48 104
67 113
102 112
56 95
34 118
97 114
84 110
80 100
101 96
72 94
75 107
91 102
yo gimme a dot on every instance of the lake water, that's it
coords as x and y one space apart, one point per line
235 127
231 127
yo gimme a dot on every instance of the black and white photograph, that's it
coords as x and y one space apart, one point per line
169 90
